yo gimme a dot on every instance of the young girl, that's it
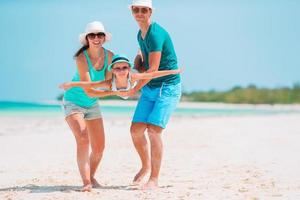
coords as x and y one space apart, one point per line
123 79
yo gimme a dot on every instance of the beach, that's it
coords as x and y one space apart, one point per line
205 157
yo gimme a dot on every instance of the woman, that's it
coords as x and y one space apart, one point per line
82 113
123 78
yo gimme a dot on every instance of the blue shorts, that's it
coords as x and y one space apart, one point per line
156 104
88 113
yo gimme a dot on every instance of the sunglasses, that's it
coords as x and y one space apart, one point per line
136 10
93 35
119 69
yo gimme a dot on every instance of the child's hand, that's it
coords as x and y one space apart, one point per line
65 86
122 93
128 93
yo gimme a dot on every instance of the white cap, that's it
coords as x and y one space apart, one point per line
142 3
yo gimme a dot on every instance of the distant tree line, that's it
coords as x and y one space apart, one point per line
249 95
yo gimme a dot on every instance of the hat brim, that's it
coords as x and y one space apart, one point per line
119 61
82 37
130 6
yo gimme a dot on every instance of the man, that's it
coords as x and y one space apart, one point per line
159 96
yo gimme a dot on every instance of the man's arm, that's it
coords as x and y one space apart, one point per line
154 60
155 74
139 64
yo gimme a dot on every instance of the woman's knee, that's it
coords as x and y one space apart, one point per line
82 139
97 150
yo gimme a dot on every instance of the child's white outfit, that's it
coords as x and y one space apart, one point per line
129 85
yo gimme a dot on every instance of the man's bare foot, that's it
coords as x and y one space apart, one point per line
150 185
86 188
139 176
95 183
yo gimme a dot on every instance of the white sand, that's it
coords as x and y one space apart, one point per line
249 157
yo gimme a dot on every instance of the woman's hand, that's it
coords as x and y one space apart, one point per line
65 86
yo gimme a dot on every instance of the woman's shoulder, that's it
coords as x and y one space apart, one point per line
110 54
81 59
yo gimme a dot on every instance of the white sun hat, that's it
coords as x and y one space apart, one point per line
142 3
94 27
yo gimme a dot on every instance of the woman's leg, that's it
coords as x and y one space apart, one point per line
79 129
97 140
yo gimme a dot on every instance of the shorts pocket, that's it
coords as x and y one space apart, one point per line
171 90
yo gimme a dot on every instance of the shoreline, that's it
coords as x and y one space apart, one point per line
182 104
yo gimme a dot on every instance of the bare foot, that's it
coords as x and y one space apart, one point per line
139 176
86 188
150 185
95 183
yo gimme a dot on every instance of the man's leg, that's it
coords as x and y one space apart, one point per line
164 106
139 140
154 133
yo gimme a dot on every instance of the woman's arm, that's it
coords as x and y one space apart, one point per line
86 84
154 74
108 74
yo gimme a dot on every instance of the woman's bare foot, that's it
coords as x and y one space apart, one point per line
86 188
140 175
150 185
95 183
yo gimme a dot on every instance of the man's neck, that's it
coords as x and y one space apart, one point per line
144 26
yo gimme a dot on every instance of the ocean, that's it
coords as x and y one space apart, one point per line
22 108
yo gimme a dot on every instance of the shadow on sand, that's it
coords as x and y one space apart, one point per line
61 188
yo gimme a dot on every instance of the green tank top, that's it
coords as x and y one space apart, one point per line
77 94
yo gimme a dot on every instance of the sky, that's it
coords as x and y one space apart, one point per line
220 43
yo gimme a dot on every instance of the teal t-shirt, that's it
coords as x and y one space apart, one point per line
77 94
158 39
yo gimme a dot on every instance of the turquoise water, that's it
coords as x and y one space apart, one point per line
18 108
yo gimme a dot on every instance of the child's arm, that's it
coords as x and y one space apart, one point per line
155 74
102 93
86 84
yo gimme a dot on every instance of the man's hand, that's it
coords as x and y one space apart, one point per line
179 70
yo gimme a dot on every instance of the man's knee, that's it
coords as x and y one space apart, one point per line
154 130
154 133
137 129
